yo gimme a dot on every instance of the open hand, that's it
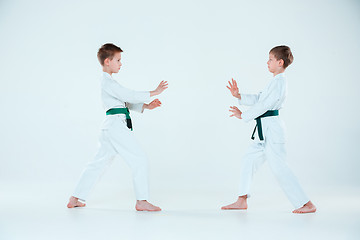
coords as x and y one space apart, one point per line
234 88
236 112
162 86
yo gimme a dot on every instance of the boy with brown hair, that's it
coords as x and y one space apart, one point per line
270 144
116 134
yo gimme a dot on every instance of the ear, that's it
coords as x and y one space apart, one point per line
281 62
107 62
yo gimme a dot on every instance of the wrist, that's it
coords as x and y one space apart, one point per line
153 93
145 106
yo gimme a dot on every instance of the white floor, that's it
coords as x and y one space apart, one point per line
39 212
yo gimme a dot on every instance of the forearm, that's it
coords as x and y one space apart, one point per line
249 99
154 93
259 108
255 111
126 95
139 107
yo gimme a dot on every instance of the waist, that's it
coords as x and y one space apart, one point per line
269 113
113 111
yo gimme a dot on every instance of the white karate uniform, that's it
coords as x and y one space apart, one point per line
117 138
272 148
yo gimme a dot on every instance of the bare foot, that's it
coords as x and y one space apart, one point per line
74 202
241 203
309 207
143 205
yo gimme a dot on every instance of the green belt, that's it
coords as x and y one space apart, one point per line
269 113
125 111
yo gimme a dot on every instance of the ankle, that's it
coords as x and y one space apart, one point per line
244 197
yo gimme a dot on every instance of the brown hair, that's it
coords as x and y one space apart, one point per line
107 50
284 53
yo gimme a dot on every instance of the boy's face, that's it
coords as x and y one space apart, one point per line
115 63
273 64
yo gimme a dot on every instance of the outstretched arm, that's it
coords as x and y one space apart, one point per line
244 99
274 94
154 104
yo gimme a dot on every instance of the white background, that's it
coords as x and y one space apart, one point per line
51 109
51 115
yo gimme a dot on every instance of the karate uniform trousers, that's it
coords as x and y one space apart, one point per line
117 138
272 148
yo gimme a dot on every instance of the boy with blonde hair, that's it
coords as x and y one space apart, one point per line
270 144
116 134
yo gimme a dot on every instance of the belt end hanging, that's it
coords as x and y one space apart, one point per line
129 124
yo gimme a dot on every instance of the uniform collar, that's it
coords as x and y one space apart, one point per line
280 75
105 74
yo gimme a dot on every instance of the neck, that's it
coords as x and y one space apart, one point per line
278 72
105 69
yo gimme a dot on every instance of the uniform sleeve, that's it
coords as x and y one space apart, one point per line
136 107
270 99
125 94
249 99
